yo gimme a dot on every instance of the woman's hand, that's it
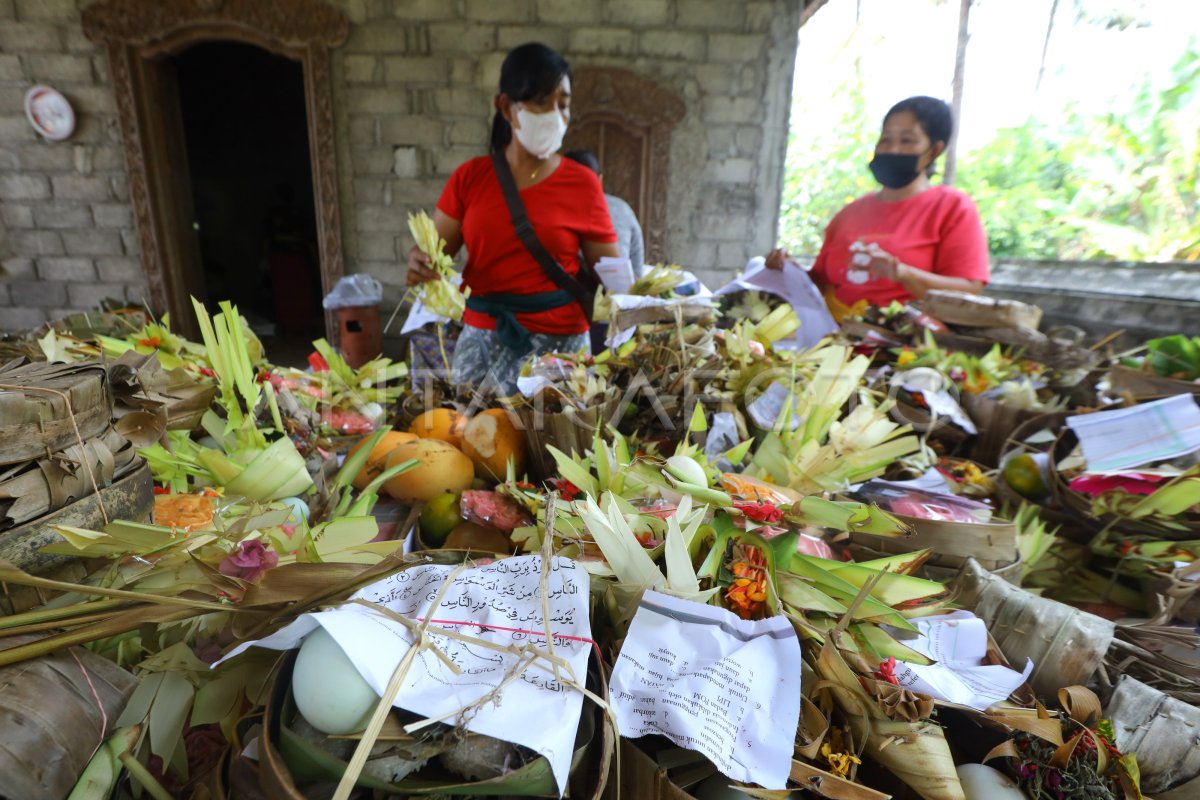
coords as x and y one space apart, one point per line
777 258
886 266
419 270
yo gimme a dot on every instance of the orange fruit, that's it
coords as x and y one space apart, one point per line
443 469
375 461
490 440
441 515
443 424
1022 473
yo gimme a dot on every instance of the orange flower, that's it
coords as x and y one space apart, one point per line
151 341
747 594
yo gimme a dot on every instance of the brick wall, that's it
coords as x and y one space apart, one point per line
412 100
66 236
418 78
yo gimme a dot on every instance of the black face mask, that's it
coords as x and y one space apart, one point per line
895 170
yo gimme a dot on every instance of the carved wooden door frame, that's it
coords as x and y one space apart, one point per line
135 32
623 98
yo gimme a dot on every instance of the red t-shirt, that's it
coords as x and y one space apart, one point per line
937 231
566 209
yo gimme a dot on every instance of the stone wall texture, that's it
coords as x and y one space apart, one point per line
413 88
1144 300
66 233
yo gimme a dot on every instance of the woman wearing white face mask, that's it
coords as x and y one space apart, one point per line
522 302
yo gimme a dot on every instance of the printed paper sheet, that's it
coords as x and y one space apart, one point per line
709 681
1130 437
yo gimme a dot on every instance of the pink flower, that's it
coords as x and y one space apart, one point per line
250 561
1132 483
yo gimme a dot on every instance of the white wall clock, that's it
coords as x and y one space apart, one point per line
49 113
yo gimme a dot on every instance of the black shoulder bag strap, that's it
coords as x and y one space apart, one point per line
583 295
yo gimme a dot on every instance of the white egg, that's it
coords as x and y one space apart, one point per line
981 782
299 508
328 690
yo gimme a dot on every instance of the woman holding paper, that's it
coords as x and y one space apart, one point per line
911 236
522 302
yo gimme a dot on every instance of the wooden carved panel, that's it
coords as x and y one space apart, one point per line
627 120
141 33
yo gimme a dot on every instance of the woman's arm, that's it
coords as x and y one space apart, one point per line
594 251
917 281
448 229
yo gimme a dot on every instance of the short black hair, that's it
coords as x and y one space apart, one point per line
585 157
529 71
933 115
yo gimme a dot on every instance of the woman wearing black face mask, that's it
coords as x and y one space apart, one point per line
911 236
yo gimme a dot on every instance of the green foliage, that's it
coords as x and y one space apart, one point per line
1121 185
826 168
1022 183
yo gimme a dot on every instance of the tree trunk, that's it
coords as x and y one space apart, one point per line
1046 46
960 60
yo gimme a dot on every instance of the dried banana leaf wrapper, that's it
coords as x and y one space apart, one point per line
55 711
1067 645
46 407
1147 385
1164 732
130 498
570 430
31 490
140 384
995 419
977 311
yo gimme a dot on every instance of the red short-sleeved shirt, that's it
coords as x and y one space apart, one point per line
565 209
937 231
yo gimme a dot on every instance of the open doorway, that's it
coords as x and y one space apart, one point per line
245 130
148 43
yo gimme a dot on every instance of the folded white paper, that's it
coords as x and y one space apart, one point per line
794 285
615 273
711 682
958 643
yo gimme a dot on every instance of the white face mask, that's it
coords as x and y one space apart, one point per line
540 134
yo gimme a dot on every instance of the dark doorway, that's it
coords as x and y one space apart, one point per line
245 127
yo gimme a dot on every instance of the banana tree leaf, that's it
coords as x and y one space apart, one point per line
892 589
802 595
879 643
845 592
